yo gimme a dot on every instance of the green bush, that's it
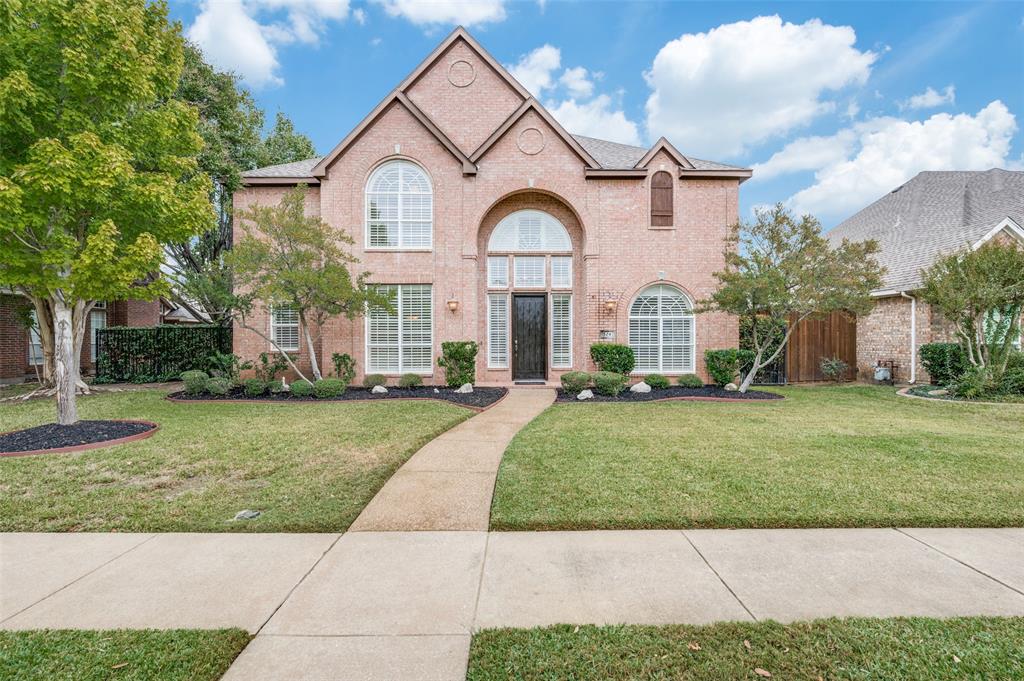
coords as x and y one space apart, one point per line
344 367
974 384
329 387
657 381
267 369
944 362
834 369
254 387
690 381
410 381
1012 382
458 359
373 380
575 381
613 357
218 385
158 353
726 365
195 381
609 383
226 365
302 388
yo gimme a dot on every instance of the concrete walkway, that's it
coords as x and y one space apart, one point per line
402 605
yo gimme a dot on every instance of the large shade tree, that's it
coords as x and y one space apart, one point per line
97 164
780 270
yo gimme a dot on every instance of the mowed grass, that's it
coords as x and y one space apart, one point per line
305 467
167 655
892 649
847 456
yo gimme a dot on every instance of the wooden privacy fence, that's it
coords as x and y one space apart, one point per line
815 339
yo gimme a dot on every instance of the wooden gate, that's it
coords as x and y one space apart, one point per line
815 339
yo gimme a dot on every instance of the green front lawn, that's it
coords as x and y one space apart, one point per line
857 649
167 655
844 456
306 467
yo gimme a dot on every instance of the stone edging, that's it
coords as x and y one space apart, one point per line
470 407
905 392
89 445
780 398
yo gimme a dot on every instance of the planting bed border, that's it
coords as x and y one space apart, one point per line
905 392
174 397
88 445
562 397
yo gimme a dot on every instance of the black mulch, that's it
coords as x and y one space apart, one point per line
480 397
53 436
672 391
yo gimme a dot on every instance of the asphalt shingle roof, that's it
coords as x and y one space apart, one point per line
295 169
935 213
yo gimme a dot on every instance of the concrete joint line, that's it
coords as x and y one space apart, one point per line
724 583
955 559
80 577
296 584
480 582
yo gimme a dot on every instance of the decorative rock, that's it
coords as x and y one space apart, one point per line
585 395
436 390
247 515
640 387
731 387
379 390
465 388
938 393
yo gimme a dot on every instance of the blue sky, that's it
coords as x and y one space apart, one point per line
833 104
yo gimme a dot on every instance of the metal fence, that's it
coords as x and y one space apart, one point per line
159 353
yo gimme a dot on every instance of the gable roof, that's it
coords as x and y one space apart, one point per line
934 214
532 104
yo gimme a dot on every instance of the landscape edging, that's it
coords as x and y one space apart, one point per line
89 445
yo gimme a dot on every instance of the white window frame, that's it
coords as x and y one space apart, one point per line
567 284
660 319
367 193
492 362
532 259
35 340
551 330
493 280
400 314
275 325
553 236
93 314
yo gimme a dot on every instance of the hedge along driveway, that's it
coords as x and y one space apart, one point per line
850 456
306 467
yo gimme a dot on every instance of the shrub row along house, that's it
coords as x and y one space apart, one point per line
489 222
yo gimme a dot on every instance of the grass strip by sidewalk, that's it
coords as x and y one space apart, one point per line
902 649
125 655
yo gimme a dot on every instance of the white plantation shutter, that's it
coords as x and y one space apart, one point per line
284 327
561 271
401 341
561 330
497 331
661 330
529 230
497 271
399 207
529 271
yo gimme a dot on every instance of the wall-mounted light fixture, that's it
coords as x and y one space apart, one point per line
610 305
453 305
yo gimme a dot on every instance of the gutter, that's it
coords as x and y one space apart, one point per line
913 335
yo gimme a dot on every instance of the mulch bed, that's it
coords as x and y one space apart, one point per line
82 435
480 398
708 392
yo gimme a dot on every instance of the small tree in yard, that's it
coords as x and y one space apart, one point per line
97 165
982 293
292 259
781 269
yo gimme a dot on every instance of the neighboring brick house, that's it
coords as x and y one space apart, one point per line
935 213
490 222
21 352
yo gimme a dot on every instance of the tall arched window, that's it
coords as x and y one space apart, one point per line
661 330
399 207
661 199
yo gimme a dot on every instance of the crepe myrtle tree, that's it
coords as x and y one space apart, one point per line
291 259
981 292
781 270
97 165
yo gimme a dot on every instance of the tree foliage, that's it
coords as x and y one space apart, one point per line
781 269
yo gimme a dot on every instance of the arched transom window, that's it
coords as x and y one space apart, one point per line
661 330
399 207
529 230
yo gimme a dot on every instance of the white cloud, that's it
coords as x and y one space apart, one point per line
536 69
232 36
930 98
577 82
359 15
859 164
596 118
717 93
463 12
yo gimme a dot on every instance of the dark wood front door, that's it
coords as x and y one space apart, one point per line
529 337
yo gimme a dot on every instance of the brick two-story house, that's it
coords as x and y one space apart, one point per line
490 222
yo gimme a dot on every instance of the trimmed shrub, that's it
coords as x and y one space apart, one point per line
218 385
302 388
254 387
458 359
834 369
267 369
725 365
195 381
657 381
1012 382
974 384
227 365
614 357
410 381
609 383
373 380
944 362
344 367
690 381
329 387
575 381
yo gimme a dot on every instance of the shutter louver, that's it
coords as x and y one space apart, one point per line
561 331
497 331
661 199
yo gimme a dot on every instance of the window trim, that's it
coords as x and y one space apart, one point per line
35 338
402 369
274 325
490 281
554 284
512 221
491 364
543 272
551 330
691 317
96 310
366 207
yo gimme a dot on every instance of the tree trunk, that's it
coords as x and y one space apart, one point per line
314 364
749 378
79 316
65 377
287 358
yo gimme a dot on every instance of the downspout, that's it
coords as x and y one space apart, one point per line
913 336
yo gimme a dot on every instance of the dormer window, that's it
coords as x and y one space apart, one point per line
661 199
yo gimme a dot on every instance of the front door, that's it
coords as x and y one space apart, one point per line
529 335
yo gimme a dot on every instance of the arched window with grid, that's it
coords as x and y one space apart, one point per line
662 330
399 207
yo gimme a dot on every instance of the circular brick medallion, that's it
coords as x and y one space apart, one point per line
531 141
461 73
